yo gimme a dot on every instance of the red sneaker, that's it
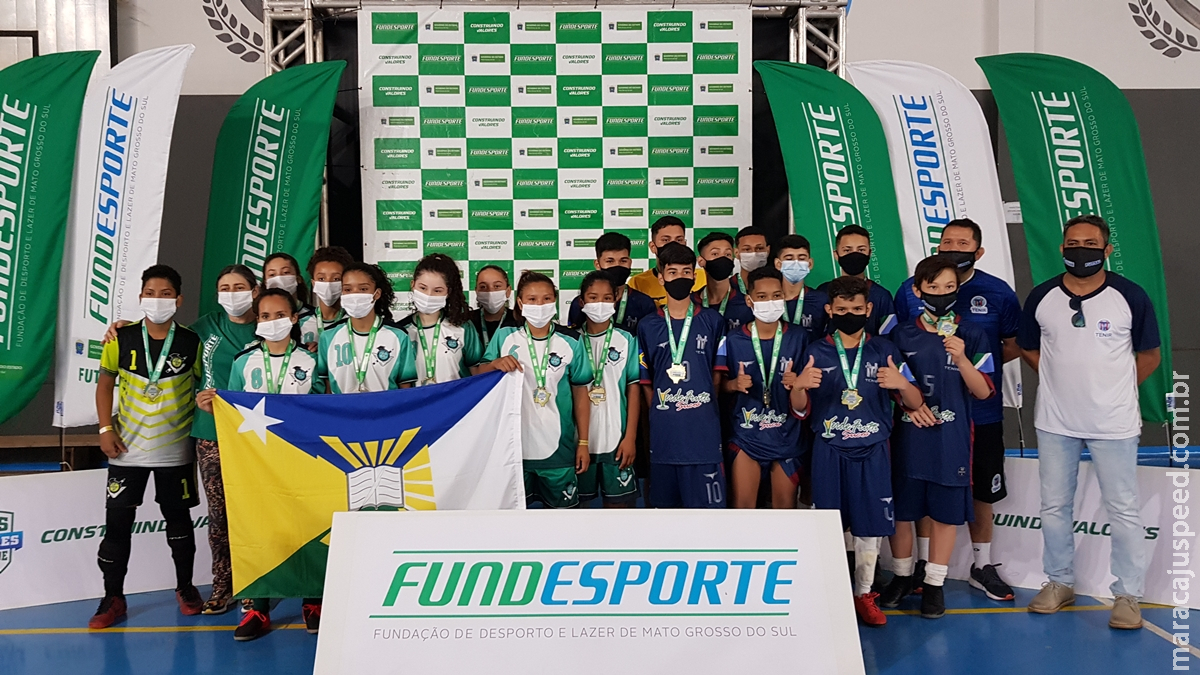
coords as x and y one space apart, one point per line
112 608
190 602
312 617
867 609
253 626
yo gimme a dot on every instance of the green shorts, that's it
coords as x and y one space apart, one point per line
555 488
608 480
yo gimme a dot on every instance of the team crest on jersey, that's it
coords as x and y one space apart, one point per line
614 354
555 360
452 343
855 429
979 305
1103 328
175 363
383 354
701 343
299 374
872 371
115 487
681 400
767 419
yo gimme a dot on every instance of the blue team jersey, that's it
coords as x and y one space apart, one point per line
940 454
685 421
637 307
989 303
812 317
737 313
765 433
883 310
871 421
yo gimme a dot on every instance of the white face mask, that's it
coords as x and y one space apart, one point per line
287 282
769 311
358 305
428 304
158 310
492 301
274 330
794 270
599 311
328 291
539 316
752 261
236 302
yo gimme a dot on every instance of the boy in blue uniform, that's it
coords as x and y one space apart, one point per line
612 257
719 293
932 465
805 306
752 253
681 347
765 415
849 382
853 252
988 303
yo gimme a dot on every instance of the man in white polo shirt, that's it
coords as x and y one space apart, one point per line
1092 337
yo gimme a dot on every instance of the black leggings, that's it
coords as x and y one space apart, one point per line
113 557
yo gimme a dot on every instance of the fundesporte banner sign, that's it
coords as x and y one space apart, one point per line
665 591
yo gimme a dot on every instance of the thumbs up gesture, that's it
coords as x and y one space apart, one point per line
789 377
742 382
810 377
889 376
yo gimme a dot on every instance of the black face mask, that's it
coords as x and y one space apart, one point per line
1083 262
939 305
963 260
679 289
719 269
849 324
619 275
854 263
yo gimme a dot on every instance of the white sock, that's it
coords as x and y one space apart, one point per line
922 548
935 574
849 539
866 552
903 567
983 553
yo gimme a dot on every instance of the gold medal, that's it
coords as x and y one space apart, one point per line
597 395
677 373
946 327
851 399
541 396
767 397
362 388
152 392
430 380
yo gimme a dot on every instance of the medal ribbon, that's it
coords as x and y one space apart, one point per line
677 348
621 307
768 375
724 302
360 367
850 375
430 355
321 325
934 322
798 315
598 362
539 366
273 386
162 355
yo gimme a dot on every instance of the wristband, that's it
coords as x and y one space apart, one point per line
583 442
105 430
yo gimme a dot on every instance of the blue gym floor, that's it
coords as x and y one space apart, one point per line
976 636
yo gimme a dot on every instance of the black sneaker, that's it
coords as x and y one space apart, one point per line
933 602
988 580
897 589
918 577
254 625
312 617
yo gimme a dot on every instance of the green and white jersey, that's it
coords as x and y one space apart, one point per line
312 325
620 367
389 364
457 350
221 341
155 429
250 374
548 436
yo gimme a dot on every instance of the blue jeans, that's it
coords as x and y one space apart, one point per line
1115 463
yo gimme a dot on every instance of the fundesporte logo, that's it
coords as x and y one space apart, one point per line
1172 39
597 582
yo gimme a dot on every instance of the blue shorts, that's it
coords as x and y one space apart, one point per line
688 486
916 498
858 483
790 465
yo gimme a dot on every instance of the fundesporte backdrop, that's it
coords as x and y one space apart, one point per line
517 136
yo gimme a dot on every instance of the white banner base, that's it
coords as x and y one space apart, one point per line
60 518
669 591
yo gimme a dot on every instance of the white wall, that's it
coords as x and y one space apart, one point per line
62 25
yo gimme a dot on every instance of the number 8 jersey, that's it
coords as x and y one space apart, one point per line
249 373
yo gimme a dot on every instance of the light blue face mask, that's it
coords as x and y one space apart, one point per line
794 270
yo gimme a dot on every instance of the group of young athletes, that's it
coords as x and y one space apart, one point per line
681 376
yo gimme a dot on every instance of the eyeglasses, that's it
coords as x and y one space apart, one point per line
1077 320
